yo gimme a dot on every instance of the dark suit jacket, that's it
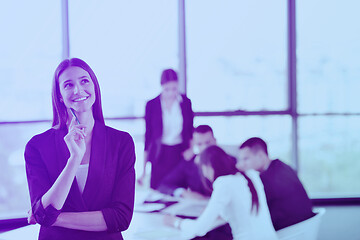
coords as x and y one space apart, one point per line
154 126
110 186
286 197
185 175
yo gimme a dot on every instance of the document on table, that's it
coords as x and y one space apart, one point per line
154 202
186 208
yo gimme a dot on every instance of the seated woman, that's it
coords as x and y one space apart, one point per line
237 197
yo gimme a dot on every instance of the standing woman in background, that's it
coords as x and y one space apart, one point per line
169 126
80 172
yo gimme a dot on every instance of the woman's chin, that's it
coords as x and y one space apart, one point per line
81 109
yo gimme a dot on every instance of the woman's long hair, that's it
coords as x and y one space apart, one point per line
223 165
60 114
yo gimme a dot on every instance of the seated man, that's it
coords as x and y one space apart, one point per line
286 197
185 180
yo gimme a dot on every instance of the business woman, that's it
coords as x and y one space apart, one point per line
80 172
238 198
169 126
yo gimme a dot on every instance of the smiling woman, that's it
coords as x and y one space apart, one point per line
78 92
71 196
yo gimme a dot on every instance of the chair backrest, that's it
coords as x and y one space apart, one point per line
307 229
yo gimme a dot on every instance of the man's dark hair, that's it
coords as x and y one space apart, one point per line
255 144
203 129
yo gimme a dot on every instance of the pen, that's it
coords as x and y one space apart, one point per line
73 113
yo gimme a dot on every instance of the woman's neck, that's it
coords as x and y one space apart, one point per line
167 102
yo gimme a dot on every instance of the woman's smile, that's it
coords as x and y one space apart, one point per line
80 99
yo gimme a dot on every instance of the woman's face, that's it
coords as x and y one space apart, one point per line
77 89
170 90
208 172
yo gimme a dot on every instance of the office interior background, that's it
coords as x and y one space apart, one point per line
286 71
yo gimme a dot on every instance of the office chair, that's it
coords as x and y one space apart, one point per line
307 229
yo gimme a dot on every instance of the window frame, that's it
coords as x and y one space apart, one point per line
291 110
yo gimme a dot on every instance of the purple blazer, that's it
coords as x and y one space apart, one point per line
110 186
154 126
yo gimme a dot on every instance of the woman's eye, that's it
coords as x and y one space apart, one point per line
68 85
85 80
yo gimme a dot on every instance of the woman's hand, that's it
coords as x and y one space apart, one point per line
31 218
188 154
172 221
193 195
75 140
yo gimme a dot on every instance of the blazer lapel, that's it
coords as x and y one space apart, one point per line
74 200
158 128
158 113
96 164
62 152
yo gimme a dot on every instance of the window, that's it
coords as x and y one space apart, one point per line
236 55
30 52
329 155
328 76
128 44
14 193
230 132
328 49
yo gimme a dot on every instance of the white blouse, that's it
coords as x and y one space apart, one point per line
81 176
172 123
231 200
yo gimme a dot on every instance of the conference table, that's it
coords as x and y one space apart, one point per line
148 219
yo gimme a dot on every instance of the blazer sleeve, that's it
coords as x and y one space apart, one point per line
188 123
119 213
148 128
39 183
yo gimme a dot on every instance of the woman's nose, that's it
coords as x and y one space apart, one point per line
77 89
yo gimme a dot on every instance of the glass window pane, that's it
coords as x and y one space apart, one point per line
329 150
328 49
128 44
230 132
30 51
237 55
14 193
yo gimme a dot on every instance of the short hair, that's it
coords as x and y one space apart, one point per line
255 144
168 75
60 115
203 129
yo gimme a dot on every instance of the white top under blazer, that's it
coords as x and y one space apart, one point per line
81 176
172 123
231 200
